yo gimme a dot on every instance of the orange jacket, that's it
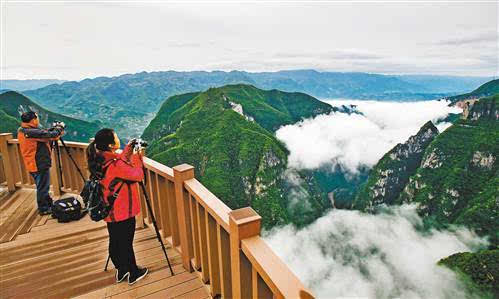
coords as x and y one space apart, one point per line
35 146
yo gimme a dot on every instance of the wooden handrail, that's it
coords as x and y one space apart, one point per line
159 168
221 244
277 276
210 202
3 179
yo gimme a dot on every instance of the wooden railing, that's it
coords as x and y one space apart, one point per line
222 245
3 179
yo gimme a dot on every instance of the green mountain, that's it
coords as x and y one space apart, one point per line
128 102
270 109
391 174
227 135
488 89
13 104
479 270
457 180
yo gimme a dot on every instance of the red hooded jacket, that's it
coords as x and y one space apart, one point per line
128 168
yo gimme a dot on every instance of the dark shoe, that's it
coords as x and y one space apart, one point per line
121 276
141 273
45 212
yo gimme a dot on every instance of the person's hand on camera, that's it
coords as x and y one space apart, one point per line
142 152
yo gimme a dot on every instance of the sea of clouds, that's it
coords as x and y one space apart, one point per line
349 254
354 141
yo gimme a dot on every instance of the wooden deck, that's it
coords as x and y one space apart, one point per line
41 258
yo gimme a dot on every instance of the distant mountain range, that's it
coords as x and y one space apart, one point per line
129 101
22 85
13 104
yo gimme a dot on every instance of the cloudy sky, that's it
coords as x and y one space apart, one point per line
42 39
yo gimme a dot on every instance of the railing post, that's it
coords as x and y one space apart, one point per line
182 173
243 223
6 159
55 176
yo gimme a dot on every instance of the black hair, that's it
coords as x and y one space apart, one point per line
103 138
26 117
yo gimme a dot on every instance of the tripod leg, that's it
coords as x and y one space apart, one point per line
72 159
58 154
156 226
107 263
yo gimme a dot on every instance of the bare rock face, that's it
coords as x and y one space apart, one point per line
483 110
389 177
433 160
483 160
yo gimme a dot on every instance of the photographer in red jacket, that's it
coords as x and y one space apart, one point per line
120 174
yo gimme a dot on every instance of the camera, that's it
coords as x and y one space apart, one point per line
59 125
138 144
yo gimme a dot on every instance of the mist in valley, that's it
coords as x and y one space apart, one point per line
348 253
387 255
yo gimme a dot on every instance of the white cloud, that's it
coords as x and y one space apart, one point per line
351 254
353 141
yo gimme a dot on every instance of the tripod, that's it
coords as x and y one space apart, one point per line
148 204
58 153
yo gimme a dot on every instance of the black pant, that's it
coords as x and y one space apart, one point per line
42 180
121 245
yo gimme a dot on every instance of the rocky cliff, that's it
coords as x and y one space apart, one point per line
391 174
456 180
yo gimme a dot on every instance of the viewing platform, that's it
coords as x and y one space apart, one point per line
214 251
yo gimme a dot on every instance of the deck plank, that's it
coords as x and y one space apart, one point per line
177 290
199 293
14 221
11 202
116 288
42 258
156 286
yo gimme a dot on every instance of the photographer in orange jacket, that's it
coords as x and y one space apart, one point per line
35 149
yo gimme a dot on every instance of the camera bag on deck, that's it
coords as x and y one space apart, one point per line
67 209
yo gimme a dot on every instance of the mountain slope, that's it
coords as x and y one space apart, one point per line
12 104
391 174
8 124
488 89
481 268
235 156
270 109
457 180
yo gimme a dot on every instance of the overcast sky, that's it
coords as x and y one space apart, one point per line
80 40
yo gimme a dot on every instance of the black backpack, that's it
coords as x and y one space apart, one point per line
93 196
67 209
